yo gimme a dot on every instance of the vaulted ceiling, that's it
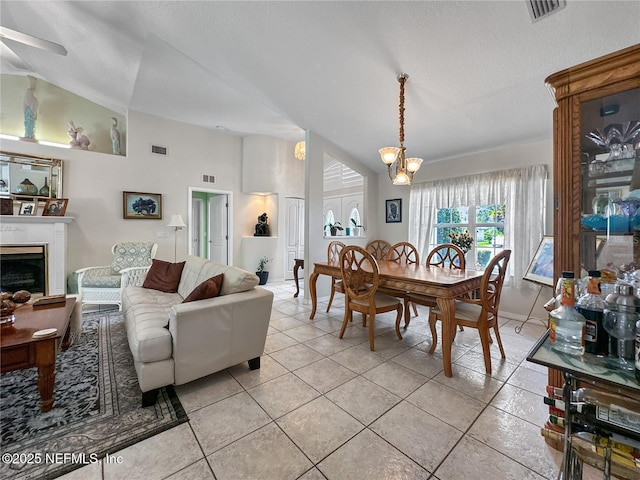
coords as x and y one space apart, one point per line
476 68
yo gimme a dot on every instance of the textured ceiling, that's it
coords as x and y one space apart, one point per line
476 68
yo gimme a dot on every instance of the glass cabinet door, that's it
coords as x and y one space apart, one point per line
610 177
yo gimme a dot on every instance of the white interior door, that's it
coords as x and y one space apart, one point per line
196 215
294 244
218 228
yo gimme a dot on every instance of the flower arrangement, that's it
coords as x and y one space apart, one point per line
462 240
261 264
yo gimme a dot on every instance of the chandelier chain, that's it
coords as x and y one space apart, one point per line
402 80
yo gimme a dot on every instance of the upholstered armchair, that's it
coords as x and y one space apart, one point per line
103 285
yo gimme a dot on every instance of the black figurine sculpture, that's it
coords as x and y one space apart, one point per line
262 227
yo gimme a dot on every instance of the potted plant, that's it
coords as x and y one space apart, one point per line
333 228
356 228
261 273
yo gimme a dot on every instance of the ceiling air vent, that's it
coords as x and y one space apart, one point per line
157 149
543 8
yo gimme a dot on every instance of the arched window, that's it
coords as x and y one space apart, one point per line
329 220
354 218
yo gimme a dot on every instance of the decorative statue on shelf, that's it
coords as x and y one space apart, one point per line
115 137
77 139
262 228
30 110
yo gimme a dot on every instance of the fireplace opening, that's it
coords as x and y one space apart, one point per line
24 267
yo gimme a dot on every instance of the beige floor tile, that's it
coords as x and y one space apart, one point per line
523 404
513 355
278 341
410 337
269 369
327 324
156 457
367 456
471 459
92 471
285 323
363 399
319 427
199 470
296 356
358 358
208 390
535 367
313 474
517 439
282 395
395 378
530 380
329 344
419 361
477 385
305 332
500 369
388 347
325 375
291 308
224 422
404 427
445 403
266 454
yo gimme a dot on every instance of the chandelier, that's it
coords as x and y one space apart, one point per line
404 169
300 150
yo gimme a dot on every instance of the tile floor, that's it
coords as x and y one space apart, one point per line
324 408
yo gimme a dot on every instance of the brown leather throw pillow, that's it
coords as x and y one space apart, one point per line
164 276
208 289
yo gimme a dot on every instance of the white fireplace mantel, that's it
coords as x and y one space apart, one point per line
52 230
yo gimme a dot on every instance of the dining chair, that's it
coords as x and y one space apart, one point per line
403 253
333 256
480 313
378 248
360 278
446 255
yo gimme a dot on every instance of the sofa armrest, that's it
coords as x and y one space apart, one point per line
134 276
216 333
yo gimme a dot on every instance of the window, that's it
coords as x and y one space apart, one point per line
329 220
485 224
354 218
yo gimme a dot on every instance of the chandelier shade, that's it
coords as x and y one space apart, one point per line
404 169
300 150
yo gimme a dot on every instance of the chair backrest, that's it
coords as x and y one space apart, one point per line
492 281
446 255
360 273
378 248
132 254
403 253
333 252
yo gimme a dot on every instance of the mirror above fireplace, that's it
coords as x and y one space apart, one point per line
29 178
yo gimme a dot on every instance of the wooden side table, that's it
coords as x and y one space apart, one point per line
298 265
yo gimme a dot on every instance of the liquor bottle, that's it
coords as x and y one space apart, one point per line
566 324
637 360
591 306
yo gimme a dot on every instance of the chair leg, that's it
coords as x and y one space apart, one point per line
371 331
495 329
407 314
330 298
434 333
415 309
364 319
461 328
398 318
486 352
347 319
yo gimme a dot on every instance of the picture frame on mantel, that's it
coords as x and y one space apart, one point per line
141 206
393 210
6 206
28 208
55 207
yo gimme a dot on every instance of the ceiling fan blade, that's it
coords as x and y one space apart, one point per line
32 41
12 58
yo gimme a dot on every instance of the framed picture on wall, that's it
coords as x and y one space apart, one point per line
55 207
28 208
541 267
142 206
393 209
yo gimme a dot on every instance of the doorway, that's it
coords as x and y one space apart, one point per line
294 244
210 224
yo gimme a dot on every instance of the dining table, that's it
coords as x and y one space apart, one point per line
444 284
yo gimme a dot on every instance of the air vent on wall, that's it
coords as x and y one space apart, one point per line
208 178
157 149
543 8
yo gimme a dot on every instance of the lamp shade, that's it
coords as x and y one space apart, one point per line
300 150
176 221
389 154
413 164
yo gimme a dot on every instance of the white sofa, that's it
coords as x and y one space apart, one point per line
175 343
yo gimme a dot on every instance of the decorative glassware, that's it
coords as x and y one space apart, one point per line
620 317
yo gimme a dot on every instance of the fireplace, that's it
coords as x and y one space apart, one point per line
24 267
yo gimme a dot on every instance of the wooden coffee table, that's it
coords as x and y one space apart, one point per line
19 350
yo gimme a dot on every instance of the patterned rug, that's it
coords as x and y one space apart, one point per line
96 408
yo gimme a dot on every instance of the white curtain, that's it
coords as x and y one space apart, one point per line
521 190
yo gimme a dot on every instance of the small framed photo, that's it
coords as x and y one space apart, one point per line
393 209
541 267
55 207
147 206
6 206
28 208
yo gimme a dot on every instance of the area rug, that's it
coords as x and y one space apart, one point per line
96 408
